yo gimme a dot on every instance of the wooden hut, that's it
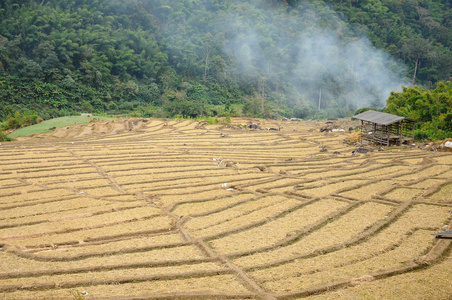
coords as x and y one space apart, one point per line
385 129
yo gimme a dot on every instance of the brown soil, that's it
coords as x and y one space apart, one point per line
181 209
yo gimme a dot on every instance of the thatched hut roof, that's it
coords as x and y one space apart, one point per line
378 117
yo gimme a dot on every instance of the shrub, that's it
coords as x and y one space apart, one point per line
433 107
4 137
420 135
21 120
15 121
87 107
212 120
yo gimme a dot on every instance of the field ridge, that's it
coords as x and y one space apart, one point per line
159 209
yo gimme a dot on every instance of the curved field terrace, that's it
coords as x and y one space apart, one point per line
182 209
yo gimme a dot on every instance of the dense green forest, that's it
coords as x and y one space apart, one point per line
193 58
433 108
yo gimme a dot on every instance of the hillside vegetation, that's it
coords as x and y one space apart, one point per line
431 107
204 57
52 124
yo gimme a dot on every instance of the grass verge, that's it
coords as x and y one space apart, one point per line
47 125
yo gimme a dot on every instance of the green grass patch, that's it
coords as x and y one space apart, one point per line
47 125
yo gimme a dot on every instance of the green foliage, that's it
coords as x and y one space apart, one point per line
4 137
150 111
19 120
212 120
77 295
363 109
52 123
87 107
417 32
432 107
205 58
302 112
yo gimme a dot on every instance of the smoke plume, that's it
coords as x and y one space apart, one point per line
324 61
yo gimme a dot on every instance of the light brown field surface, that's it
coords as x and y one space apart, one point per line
182 209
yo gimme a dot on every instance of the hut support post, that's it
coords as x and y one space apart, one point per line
374 133
362 132
401 131
388 133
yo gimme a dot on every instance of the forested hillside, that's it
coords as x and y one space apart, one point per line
194 58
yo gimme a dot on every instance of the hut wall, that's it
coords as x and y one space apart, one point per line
373 133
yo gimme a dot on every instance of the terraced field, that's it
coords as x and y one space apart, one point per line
151 209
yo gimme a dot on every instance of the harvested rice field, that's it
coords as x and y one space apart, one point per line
183 209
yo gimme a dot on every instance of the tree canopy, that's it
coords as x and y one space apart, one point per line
204 57
432 107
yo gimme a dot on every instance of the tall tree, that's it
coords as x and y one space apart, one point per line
416 48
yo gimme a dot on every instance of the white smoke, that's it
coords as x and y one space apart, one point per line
324 63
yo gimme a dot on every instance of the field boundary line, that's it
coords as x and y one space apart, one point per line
433 256
249 283
353 241
292 239
104 174
107 268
